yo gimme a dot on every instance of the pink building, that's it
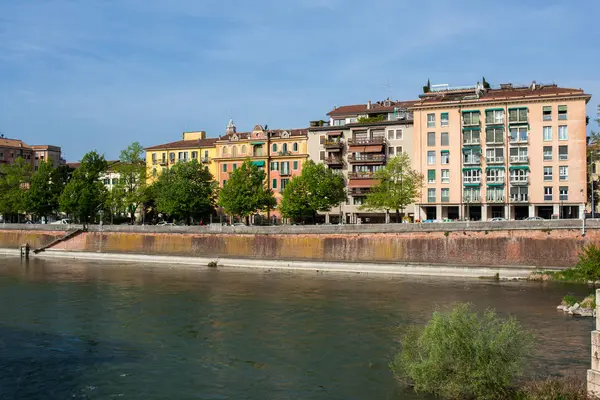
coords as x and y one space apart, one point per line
511 152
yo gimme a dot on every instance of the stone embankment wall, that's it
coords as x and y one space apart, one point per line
530 243
593 375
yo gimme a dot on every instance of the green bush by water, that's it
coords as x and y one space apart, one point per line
587 268
553 389
463 355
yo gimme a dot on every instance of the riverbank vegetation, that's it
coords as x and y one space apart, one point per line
460 354
587 269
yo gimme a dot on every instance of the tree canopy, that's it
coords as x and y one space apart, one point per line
318 188
132 179
187 190
399 185
245 193
14 179
44 190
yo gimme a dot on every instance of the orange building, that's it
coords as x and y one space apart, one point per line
11 149
281 152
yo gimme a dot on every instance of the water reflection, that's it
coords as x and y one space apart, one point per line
154 332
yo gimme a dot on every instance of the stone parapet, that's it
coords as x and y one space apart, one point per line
593 375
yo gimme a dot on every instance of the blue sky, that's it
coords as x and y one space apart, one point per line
100 74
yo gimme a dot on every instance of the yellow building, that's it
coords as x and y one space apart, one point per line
194 146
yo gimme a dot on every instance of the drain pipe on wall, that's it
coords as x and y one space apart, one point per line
583 225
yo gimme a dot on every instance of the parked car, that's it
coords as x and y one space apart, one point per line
428 221
534 219
496 219
64 221
165 223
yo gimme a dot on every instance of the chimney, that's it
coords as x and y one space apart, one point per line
533 85
369 105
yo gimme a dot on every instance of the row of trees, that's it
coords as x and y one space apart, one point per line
187 191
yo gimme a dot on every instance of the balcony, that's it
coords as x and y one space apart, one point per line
519 140
494 121
361 175
204 159
333 161
471 142
359 191
519 159
495 160
496 199
494 142
285 172
162 162
470 199
366 159
472 180
283 153
472 161
519 198
519 180
333 144
378 141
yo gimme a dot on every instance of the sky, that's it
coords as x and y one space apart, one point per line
101 74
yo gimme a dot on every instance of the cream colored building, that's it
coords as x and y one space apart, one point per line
511 152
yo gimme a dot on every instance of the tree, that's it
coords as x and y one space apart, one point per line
245 193
44 191
84 195
187 190
132 177
317 189
14 179
399 185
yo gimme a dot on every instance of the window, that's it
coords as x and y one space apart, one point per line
563 132
390 151
194 155
519 194
357 201
339 122
431 176
563 173
495 175
563 153
398 150
274 183
224 182
495 155
547 174
547 113
519 154
390 134
470 118
517 114
495 116
274 166
445 176
472 194
295 147
285 168
285 148
547 153
244 149
471 137
547 193
234 167
495 194
284 183
548 134
154 172
321 155
224 167
472 175
444 121
472 156
563 193
431 120
494 135
445 195
172 157
445 157
295 165
444 139
431 195
562 113
518 134
398 134
431 157
519 175
234 151
224 151
431 139
274 148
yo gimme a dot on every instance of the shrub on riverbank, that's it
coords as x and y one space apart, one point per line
554 389
460 354
586 270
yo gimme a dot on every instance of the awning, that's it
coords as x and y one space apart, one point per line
518 124
472 149
471 128
494 167
548 108
524 167
495 184
471 184
256 143
518 108
362 183
500 126
335 133
471 111
445 151
562 108
494 109
471 169
258 163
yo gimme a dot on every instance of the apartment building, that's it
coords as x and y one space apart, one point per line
511 151
282 152
193 146
356 142
47 153
11 149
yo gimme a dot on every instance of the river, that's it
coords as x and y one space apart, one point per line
87 330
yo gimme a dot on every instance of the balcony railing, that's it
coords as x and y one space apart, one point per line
283 153
333 161
494 142
495 199
519 180
361 175
366 141
359 191
495 160
445 199
379 158
333 144
495 179
519 198
494 121
162 162
472 161
471 142
285 172
519 159
519 140
471 179
471 199
204 159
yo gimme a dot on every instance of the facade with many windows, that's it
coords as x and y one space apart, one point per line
356 142
511 152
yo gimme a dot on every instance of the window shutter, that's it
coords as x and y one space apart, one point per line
547 108
562 108
322 155
431 175
322 139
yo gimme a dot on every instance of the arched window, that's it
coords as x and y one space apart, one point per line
295 147
285 147
274 147
234 151
244 149
224 150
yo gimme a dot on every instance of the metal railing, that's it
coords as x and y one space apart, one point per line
519 159
361 175
495 160
366 141
366 158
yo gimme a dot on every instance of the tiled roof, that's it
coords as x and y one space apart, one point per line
275 133
16 143
182 144
502 94
375 107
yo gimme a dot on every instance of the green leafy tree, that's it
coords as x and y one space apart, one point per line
14 181
245 193
317 189
44 191
399 185
85 195
187 190
132 177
